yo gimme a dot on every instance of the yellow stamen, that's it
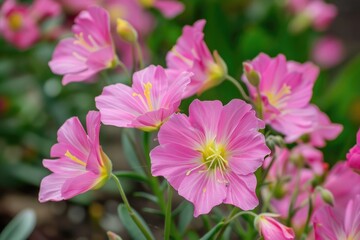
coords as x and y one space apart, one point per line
82 42
75 159
276 98
147 3
147 93
15 21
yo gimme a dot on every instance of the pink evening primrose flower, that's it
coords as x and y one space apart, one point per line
155 95
322 129
315 13
270 229
285 92
353 156
210 157
81 57
338 223
191 54
169 8
19 23
81 164
328 52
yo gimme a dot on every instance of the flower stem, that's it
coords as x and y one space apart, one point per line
124 68
131 212
239 87
233 215
168 216
139 55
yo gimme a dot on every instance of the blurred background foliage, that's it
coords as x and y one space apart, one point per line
34 104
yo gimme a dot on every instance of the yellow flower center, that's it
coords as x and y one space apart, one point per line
147 94
214 158
147 3
276 99
80 40
15 21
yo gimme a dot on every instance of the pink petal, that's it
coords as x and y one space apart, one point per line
72 137
78 185
169 8
50 187
173 161
241 191
203 190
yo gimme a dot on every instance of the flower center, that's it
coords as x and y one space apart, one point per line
214 159
278 99
147 94
15 21
89 43
146 3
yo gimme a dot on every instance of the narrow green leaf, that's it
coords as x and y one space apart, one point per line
20 227
147 196
130 153
185 217
129 224
212 232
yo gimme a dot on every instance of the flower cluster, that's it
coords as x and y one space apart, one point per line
217 154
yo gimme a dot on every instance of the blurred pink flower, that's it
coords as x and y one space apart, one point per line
316 13
338 223
155 95
78 5
19 23
328 52
285 92
79 59
210 157
169 8
81 164
191 54
311 156
353 156
322 129
270 229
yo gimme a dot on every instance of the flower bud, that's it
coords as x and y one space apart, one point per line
126 31
113 236
326 195
251 75
273 141
271 229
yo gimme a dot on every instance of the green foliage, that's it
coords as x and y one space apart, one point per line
20 227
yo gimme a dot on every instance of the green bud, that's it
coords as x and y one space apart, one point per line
326 195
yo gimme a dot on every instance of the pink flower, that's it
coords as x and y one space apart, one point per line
78 5
155 95
91 51
81 164
210 157
353 156
311 156
337 224
322 129
271 229
328 52
169 8
316 13
285 92
191 54
19 24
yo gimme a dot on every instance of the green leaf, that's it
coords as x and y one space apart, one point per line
129 224
128 143
213 231
20 227
147 196
185 217
131 176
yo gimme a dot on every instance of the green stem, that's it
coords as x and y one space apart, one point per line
294 196
139 54
239 87
310 210
168 215
154 183
259 104
106 78
131 212
124 68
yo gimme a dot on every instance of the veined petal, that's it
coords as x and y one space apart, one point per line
78 185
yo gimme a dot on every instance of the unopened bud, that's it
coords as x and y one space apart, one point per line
252 76
326 195
113 236
126 31
273 141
